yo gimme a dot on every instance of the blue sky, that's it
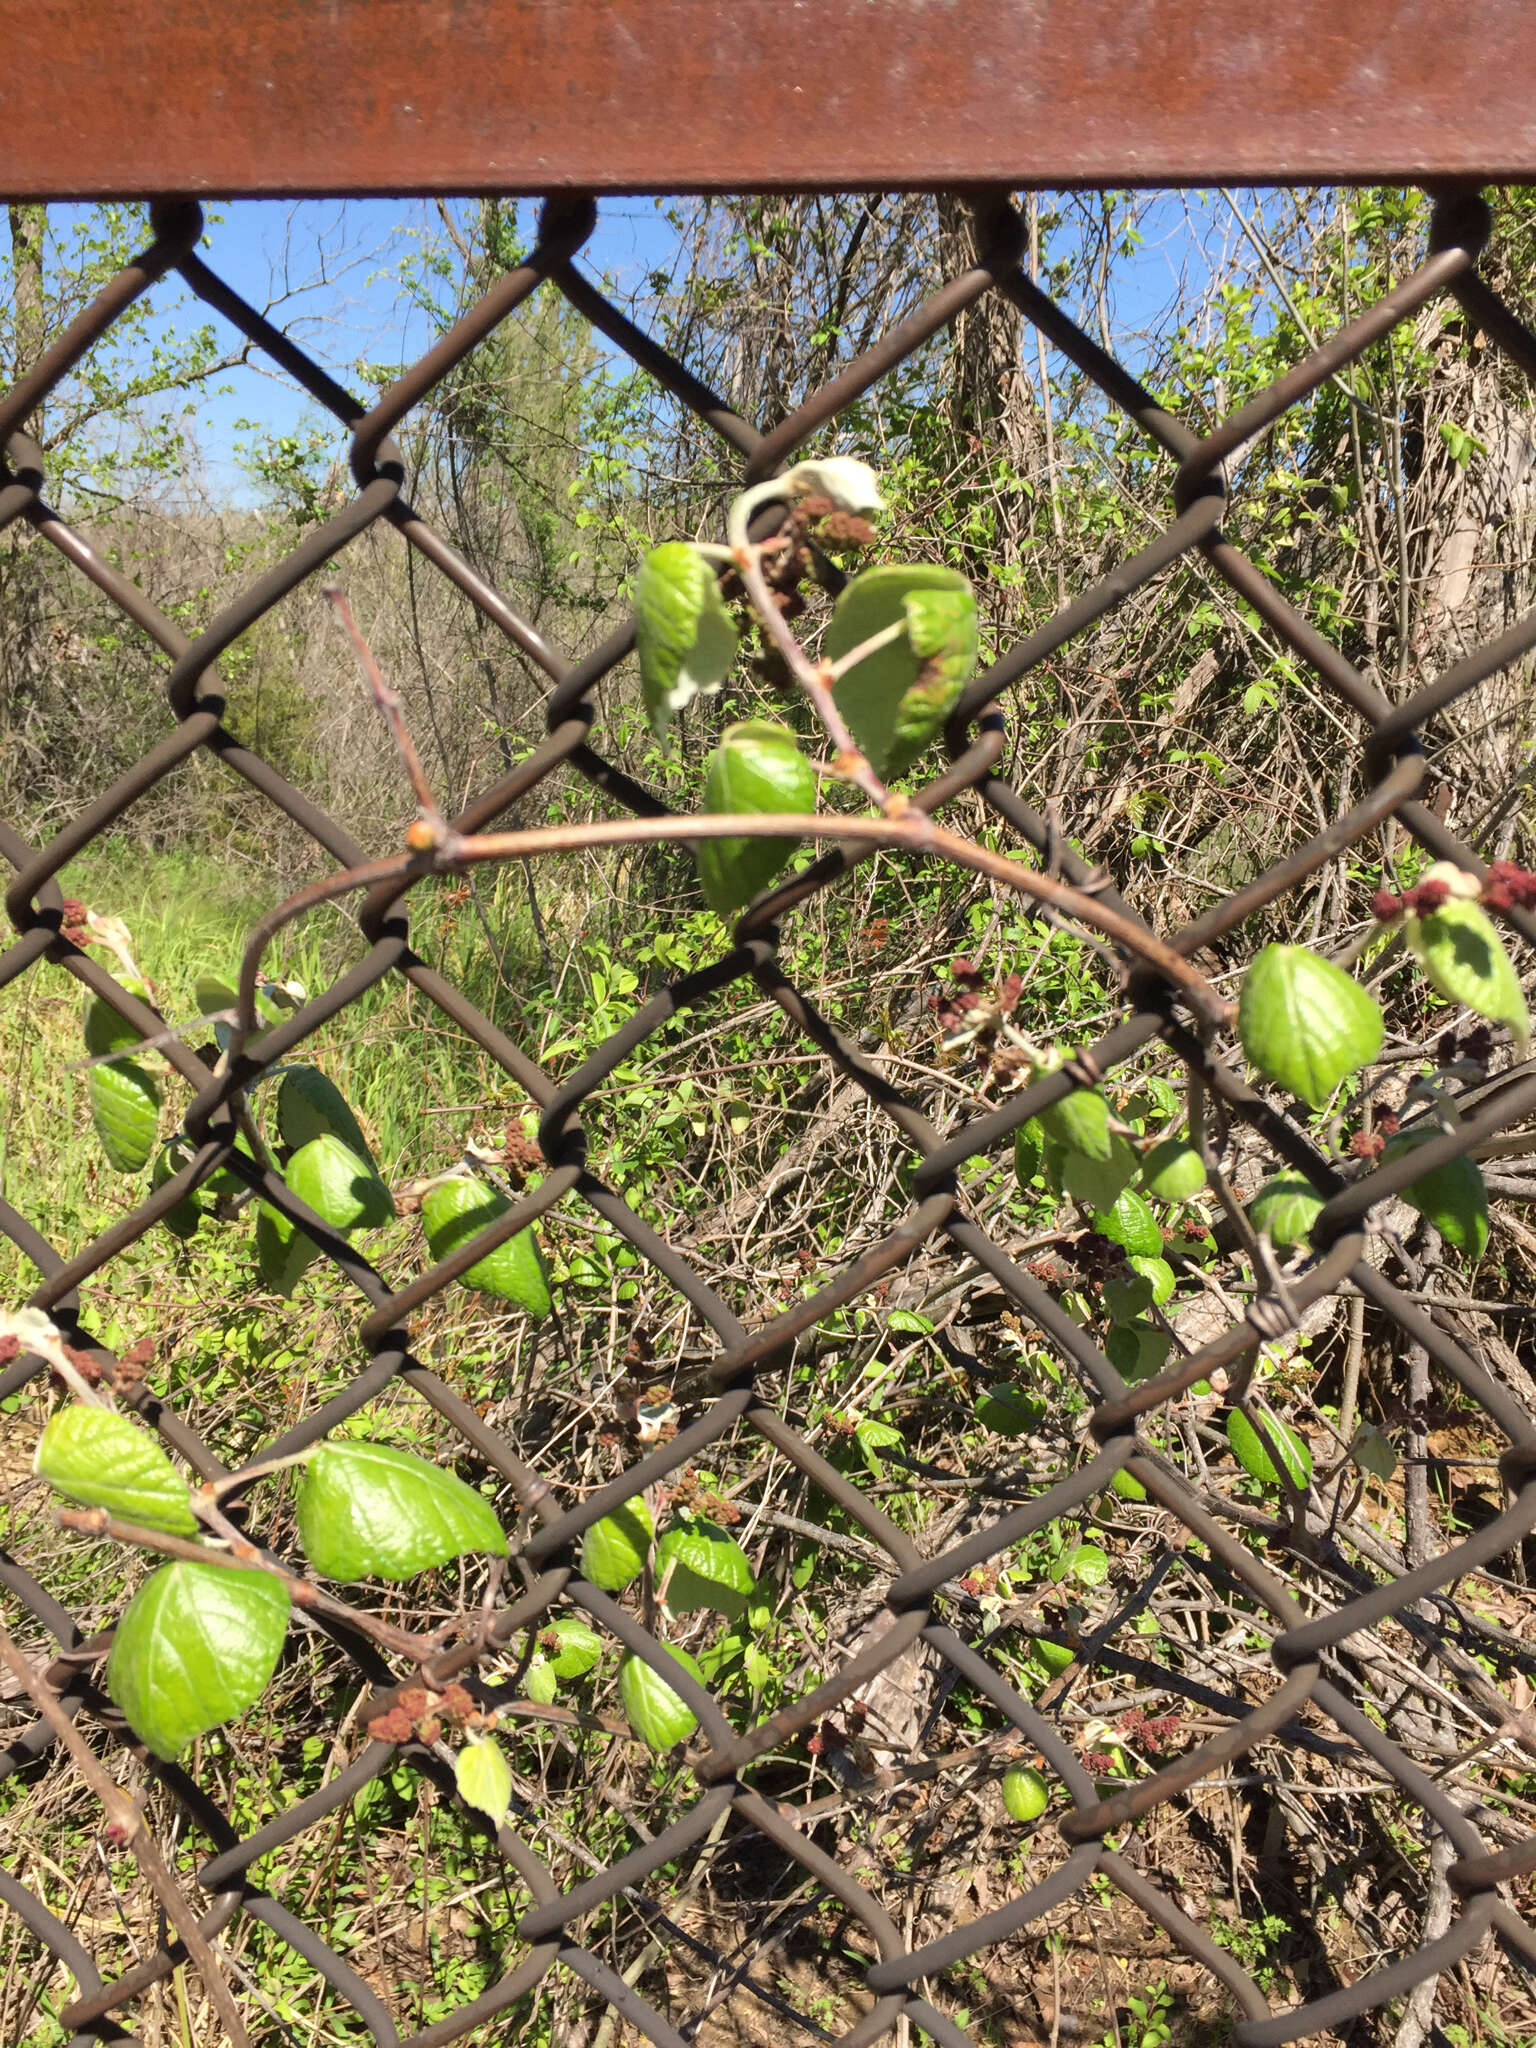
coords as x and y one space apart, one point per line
329 273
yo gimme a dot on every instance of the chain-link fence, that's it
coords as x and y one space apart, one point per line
1302 1690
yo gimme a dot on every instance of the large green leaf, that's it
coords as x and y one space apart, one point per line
683 632
1454 1197
1459 948
571 1646
282 1249
104 1460
310 1106
614 1549
105 1031
1129 1222
367 1511
1096 1183
1249 1451
341 1187
897 699
698 1565
658 1715
1305 1023
757 767
196 1646
125 1108
1079 1122
456 1210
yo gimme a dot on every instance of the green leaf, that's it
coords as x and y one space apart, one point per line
1462 955
1025 1793
1084 1562
1096 1183
1454 1197
1147 1283
1249 1451
758 767
104 1460
310 1106
340 1186
1130 1223
698 1565
224 1180
1079 1122
1173 1171
455 1211
105 1031
614 1550
125 1108
658 1715
1052 1658
1127 1485
1286 1208
1373 1452
196 1645
898 698
683 632
282 1249
571 1646
369 1512
1138 1351
183 1218
1009 1411
1028 1152
483 1778
1304 1023
541 1681
873 1437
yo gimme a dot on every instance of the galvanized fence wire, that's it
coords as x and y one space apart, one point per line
1306 1646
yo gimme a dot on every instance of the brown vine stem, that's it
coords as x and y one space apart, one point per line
911 829
129 1823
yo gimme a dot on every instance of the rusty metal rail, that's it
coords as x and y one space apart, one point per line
1309 1673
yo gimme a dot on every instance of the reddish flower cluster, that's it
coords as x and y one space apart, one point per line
1153 1731
421 1714
1421 899
1371 1144
1507 887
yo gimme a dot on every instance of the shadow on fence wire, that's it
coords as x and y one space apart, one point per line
1392 767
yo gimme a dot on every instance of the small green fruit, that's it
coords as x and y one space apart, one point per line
1173 1171
1025 1793
1286 1208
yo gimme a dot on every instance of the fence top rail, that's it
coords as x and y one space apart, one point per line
109 98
